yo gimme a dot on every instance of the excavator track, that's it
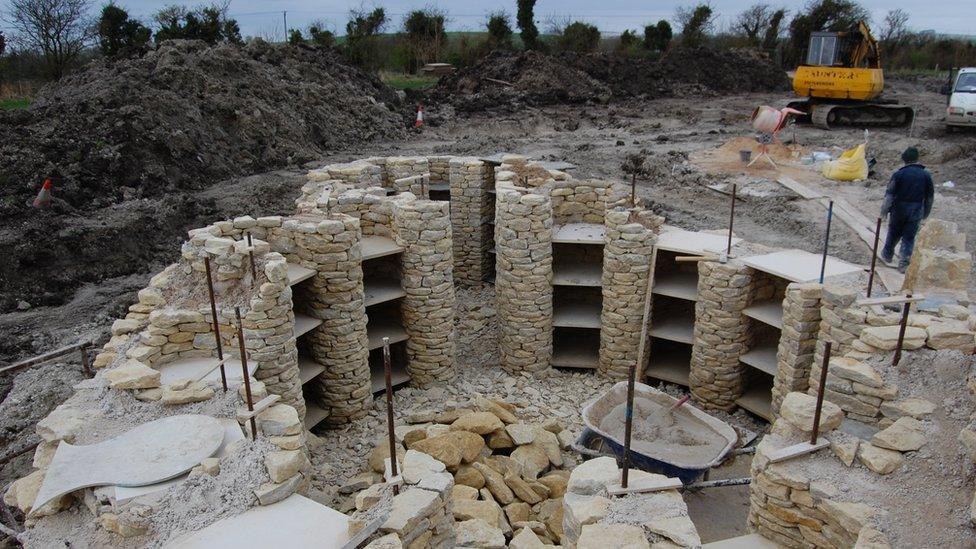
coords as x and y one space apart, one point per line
827 115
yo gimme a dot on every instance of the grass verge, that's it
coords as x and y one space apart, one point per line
14 104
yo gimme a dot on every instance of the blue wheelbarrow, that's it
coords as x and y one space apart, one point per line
594 442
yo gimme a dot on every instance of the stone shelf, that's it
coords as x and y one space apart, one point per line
576 353
377 378
381 290
693 242
674 328
313 414
577 274
579 233
439 187
297 273
492 251
768 312
758 399
378 246
762 357
377 329
669 366
576 315
304 324
679 284
193 368
491 191
308 369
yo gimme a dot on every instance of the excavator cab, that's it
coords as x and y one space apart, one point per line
842 82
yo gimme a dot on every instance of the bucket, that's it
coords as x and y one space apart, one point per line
745 156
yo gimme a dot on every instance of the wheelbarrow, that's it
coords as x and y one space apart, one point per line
594 442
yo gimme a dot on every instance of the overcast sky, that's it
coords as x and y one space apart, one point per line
264 17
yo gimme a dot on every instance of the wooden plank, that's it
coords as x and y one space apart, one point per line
262 405
45 357
643 485
799 265
797 450
768 312
678 284
694 242
798 188
762 357
205 373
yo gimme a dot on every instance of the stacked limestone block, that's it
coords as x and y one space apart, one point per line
790 504
523 285
470 179
627 257
359 173
580 201
940 262
418 185
439 168
794 356
591 520
288 466
400 167
722 334
518 171
331 246
423 229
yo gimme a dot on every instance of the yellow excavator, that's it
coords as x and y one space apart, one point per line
842 81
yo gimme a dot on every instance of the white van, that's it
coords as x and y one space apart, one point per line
961 110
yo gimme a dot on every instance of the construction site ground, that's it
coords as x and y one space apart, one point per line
676 133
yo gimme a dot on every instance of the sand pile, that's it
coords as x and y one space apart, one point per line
514 79
676 435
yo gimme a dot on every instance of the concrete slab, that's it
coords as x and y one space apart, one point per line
295 522
693 242
121 494
799 266
150 453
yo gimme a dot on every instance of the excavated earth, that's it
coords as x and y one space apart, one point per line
150 133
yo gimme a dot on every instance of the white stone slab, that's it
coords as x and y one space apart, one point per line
193 368
121 494
579 233
694 242
150 453
799 266
293 523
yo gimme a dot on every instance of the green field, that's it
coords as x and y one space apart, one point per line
13 104
409 81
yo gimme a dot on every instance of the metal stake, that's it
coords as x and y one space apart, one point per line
820 392
250 252
823 261
728 248
84 360
628 425
216 325
874 255
247 378
633 190
388 372
901 331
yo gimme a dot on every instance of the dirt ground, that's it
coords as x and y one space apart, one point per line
594 137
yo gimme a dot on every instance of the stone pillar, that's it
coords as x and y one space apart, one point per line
469 179
423 228
419 185
523 286
794 356
627 255
399 167
440 168
722 334
841 323
335 294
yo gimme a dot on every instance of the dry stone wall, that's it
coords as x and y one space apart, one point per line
580 201
471 207
360 173
722 334
523 241
423 228
794 355
627 258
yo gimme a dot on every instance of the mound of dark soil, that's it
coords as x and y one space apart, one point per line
540 79
184 115
127 143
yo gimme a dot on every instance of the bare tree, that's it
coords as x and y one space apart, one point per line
753 22
58 29
895 27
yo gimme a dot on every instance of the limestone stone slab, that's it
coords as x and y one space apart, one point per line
799 265
693 242
193 368
150 453
295 522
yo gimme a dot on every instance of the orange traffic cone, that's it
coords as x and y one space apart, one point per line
43 199
420 116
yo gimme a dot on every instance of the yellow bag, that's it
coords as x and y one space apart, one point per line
851 166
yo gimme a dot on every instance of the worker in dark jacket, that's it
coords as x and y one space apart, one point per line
908 200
